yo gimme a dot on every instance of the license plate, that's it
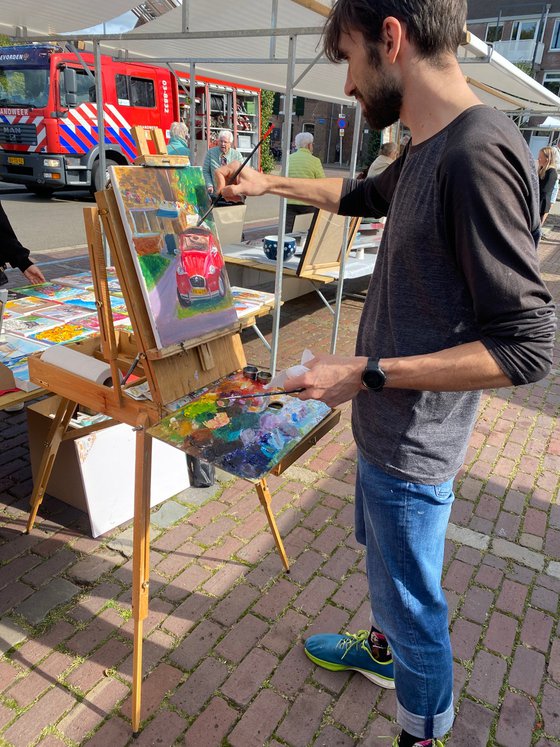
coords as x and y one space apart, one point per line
199 291
16 160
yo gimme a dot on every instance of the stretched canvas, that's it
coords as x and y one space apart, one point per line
180 266
245 437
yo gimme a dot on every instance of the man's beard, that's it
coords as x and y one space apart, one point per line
382 105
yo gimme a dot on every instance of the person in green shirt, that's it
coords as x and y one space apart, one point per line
303 165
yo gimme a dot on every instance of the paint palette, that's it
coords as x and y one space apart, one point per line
246 437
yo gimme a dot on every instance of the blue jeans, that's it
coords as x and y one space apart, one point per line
403 527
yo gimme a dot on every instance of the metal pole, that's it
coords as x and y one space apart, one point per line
286 140
102 170
340 286
192 127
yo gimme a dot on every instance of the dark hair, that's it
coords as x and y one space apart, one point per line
435 27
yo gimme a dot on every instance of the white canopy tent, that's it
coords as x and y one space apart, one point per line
274 44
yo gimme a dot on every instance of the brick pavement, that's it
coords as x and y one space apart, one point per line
223 645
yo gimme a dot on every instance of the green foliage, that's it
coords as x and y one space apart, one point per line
5 41
153 267
372 151
267 101
526 67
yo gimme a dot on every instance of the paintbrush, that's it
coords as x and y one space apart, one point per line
270 393
214 200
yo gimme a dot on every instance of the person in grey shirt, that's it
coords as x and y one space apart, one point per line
456 304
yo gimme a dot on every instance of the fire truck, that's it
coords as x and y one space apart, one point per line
49 138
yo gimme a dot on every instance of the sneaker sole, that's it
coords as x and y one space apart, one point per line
387 682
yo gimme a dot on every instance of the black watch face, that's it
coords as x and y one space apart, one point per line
373 377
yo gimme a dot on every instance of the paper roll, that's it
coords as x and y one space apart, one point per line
78 363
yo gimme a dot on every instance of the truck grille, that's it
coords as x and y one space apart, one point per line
197 281
21 134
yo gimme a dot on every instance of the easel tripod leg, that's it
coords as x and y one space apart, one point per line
265 498
140 560
54 438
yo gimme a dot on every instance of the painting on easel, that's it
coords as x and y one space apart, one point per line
180 266
245 436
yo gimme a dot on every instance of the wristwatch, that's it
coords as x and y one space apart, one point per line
373 377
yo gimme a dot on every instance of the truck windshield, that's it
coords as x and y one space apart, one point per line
27 88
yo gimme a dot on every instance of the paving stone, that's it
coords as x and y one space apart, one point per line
199 686
472 726
210 728
259 720
536 630
47 710
353 707
464 536
516 721
500 634
169 513
304 717
249 675
487 677
36 607
196 645
527 670
89 569
10 635
114 732
123 542
332 737
165 728
550 710
505 549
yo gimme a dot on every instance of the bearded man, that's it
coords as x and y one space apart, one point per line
456 304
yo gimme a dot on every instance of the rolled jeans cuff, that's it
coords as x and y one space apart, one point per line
441 723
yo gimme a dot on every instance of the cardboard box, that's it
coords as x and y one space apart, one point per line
95 473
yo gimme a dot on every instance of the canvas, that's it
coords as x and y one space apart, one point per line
180 266
245 437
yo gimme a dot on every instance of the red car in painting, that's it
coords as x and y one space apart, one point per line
200 270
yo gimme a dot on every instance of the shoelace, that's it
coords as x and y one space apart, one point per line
353 640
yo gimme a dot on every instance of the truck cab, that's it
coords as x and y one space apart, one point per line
49 136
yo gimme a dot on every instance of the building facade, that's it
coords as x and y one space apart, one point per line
528 35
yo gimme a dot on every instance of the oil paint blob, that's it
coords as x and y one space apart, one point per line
245 437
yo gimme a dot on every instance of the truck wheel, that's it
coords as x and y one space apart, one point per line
185 301
35 189
96 184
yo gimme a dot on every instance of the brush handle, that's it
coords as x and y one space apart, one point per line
262 394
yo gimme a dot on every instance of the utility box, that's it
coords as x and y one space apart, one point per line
95 472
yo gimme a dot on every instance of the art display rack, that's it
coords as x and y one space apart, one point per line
171 373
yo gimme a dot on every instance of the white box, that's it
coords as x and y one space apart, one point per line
95 473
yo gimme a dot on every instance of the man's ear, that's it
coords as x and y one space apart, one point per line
392 34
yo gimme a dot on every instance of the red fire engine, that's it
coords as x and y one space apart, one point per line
48 114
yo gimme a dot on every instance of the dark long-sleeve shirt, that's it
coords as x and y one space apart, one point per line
546 188
457 263
11 250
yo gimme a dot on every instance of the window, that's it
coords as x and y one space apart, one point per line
85 88
555 41
524 30
494 33
552 82
133 91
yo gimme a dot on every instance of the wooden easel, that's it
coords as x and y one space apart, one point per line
171 373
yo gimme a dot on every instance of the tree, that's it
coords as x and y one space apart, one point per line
267 101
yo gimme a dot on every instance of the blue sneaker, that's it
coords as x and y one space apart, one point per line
339 653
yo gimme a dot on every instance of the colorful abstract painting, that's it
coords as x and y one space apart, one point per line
180 266
245 437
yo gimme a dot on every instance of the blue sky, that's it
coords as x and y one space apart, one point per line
117 25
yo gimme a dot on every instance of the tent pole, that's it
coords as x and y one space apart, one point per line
286 140
102 171
340 285
192 123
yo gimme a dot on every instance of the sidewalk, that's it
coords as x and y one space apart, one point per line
223 641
